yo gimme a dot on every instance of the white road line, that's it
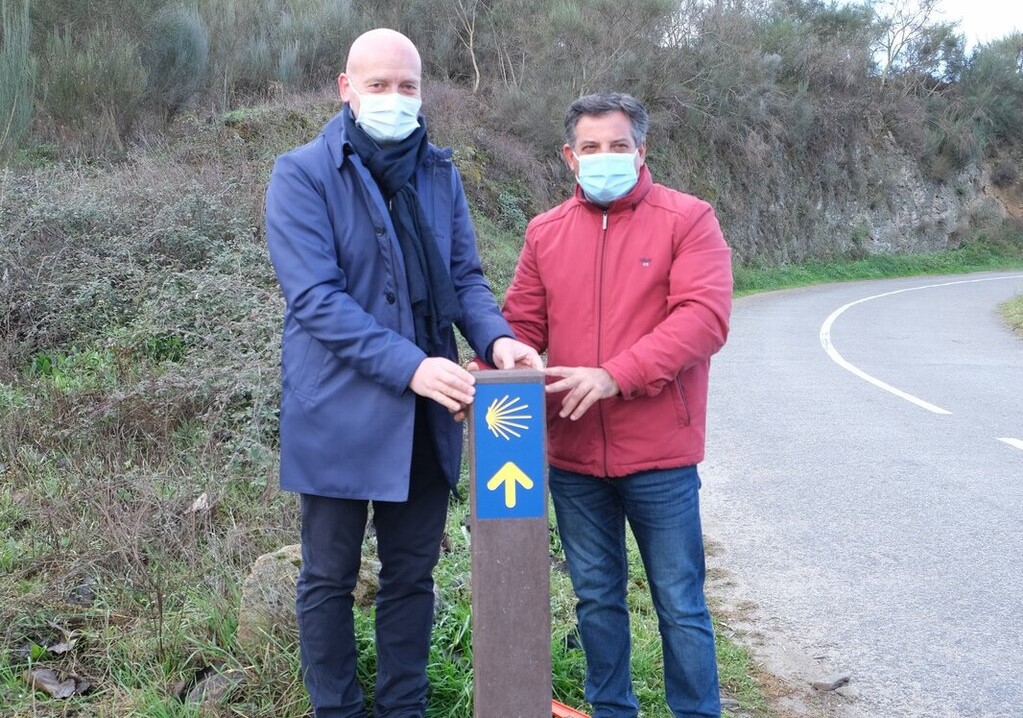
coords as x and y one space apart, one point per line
825 336
1018 443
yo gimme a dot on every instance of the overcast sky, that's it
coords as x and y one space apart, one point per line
984 20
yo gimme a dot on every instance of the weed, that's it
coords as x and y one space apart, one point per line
510 211
164 347
1012 311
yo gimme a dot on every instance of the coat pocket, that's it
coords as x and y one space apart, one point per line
302 362
681 404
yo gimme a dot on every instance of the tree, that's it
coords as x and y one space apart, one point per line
465 12
938 52
992 87
900 24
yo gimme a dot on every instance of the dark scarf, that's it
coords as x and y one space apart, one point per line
393 166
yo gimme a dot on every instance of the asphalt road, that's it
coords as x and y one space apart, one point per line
864 480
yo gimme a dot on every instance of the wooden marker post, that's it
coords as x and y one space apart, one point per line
511 609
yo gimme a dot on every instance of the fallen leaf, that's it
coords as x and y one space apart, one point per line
55 685
67 641
63 647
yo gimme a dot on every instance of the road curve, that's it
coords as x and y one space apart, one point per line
864 485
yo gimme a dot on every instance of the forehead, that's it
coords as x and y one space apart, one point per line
386 60
609 127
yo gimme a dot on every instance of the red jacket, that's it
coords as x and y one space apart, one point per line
644 290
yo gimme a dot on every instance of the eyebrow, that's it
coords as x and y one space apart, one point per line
401 81
615 141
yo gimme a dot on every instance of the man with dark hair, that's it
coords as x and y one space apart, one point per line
627 286
370 236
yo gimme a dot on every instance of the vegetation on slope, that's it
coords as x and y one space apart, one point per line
139 317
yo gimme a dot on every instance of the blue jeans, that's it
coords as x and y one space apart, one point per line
663 510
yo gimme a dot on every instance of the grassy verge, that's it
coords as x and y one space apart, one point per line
1001 250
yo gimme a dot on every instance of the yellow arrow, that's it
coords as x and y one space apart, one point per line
509 475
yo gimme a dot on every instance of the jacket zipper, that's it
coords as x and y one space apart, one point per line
600 328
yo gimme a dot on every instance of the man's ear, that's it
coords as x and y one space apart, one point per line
570 160
343 85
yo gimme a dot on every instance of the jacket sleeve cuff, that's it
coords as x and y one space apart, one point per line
628 387
489 355
403 381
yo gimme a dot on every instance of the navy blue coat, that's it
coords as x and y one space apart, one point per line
348 350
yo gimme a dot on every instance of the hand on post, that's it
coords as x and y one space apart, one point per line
508 353
445 382
460 413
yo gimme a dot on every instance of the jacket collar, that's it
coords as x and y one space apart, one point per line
337 143
629 201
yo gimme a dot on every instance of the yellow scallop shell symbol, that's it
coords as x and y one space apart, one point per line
504 415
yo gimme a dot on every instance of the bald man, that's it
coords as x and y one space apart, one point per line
370 237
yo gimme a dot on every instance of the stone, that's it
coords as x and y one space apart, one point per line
730 705
84 594
831 684
214 688
369 581
268 598
267 607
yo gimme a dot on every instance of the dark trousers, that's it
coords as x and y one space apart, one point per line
408 545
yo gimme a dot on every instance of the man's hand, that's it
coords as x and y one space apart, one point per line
460 413
585 386
445 382
509 353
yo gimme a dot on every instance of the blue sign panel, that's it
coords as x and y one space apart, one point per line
508 425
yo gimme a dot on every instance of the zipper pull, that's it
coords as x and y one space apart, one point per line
605 220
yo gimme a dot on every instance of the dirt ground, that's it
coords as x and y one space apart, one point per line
785 673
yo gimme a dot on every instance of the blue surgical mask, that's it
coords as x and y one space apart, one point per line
606 176
388 118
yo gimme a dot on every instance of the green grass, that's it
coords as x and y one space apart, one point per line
1013 313
499 251
1004 251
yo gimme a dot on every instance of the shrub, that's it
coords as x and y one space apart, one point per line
260 47
176 58
93 87
321 34
1004 174
130 17
993 88
17 76
955 146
